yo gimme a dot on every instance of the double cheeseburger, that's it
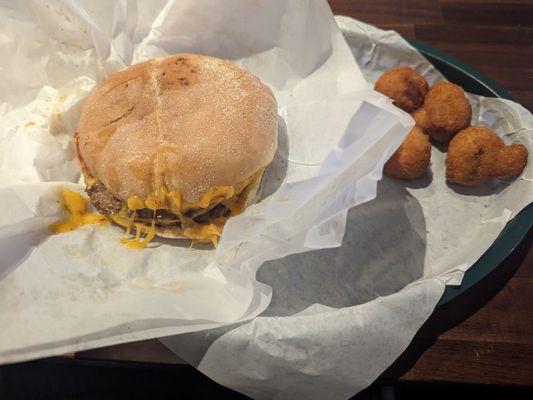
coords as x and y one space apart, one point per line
175 146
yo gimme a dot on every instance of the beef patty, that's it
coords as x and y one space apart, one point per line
103 200
107 204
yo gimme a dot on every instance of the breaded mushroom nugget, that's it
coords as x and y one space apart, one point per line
477 155
406 87
422 119
411 159
445 111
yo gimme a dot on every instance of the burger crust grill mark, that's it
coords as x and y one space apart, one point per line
183 140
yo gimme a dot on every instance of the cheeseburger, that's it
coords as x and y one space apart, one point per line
175 146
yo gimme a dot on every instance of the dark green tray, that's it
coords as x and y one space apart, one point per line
474 81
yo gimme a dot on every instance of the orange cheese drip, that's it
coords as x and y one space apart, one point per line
136 242
163 199
135 203
76 206
204 233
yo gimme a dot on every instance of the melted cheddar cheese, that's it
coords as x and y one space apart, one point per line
204 233
135 203
76 206
233 197
137 242
172 200
218 193
162 199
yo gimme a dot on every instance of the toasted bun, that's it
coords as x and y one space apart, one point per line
185 123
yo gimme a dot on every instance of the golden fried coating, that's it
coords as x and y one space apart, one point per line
511 161
422 120
445 112
411 159
406 87
477 155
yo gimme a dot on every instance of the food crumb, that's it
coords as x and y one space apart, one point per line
30 123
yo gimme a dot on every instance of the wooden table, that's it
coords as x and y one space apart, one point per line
486 335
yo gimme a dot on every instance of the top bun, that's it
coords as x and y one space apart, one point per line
185 123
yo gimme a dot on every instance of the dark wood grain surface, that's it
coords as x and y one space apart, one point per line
486 335
494 36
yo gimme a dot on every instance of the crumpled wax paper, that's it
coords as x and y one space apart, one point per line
339 317
83 289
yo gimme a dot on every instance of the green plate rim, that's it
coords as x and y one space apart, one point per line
517 228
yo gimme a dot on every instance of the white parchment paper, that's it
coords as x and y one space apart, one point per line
339 317
83 289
